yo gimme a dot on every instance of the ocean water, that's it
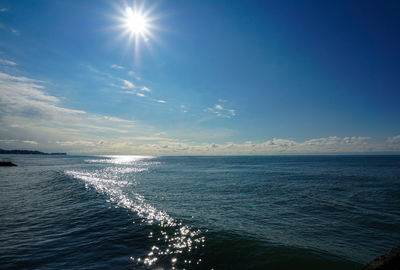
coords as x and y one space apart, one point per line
136 212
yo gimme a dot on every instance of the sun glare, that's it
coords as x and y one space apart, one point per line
135 22
136 26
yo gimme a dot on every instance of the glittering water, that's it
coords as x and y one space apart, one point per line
136 212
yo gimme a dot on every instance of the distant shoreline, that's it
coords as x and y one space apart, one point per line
29 152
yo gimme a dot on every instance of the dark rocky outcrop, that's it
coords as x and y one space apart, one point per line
27 152
389 261
7 164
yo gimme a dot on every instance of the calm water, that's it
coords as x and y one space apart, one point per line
127 212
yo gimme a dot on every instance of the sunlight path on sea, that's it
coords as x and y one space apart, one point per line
117 181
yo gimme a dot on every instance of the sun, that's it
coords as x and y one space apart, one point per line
136 25
135 22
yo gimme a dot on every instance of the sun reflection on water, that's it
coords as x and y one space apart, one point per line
120 159
117 182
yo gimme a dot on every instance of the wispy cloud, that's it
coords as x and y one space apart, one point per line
328 145
7 62
91 68
30 142
117 67
129 92
76 143
15 31
133 74
220 111
333 144
394 139
132 89
8 141
116 119
162 133
183 107
3 9
29 115
133 92
14 141
127 84
5 27
145 89
32 117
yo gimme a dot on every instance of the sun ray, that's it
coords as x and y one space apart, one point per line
135 21
136 26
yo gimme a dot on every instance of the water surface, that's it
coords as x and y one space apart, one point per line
135 212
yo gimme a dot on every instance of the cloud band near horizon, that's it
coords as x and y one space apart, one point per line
33 119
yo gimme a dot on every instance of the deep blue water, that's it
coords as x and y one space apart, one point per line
131 212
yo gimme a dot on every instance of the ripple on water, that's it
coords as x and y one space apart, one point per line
172 239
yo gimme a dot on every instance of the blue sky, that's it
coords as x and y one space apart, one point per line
211 77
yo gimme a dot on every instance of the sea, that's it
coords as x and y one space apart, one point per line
236 212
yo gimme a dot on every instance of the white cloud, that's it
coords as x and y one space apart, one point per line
160 101
133 74
145 89
7 62
76 143
183 107
114 85
15 31
3 9
334 140
117 67
22 96
323 141
220 111
15 141
162 133
90 68
356 140
5 76
116 119
9 141
129 92
127 84
394 139
280 143
30 142
38 117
